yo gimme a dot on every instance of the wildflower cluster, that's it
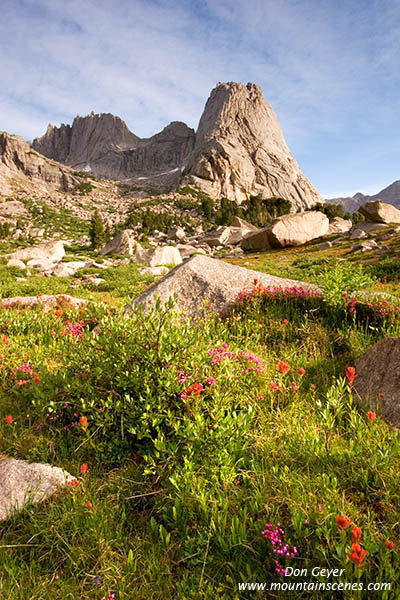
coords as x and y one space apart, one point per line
73 330
276 535
67 417
222 353
238 364
23 375
260 292
279 385
350 376
379 312
357 553
351 303
194 390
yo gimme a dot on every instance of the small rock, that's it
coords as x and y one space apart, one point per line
123 243
22 482
358 234
339 225
40 264
186 250
176 234
14 262
94 281
68 269
325 246
141 256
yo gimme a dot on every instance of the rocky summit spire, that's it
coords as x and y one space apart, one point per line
240 150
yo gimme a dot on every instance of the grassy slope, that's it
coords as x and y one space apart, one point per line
181 518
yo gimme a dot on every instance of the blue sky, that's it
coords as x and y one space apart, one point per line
329 68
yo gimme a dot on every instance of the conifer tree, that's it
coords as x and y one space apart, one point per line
97 232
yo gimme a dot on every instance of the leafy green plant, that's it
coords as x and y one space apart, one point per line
342 280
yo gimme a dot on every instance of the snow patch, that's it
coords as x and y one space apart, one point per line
159 174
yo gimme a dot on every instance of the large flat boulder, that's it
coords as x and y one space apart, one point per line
288 230
49 252
362 230
378 372
380 212
297 229
370 227
22 483
207 283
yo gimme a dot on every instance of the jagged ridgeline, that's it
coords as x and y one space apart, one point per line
238 151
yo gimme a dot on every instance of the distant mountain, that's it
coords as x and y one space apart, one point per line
104 146
238 150
389 195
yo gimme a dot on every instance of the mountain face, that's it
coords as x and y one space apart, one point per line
17 159
389 195
103 145
238 150
87 139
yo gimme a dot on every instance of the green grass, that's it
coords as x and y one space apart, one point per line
56 220
181 487
182 482
122 284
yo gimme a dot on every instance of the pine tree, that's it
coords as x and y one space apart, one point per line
97 233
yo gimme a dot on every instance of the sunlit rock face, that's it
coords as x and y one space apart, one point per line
238 151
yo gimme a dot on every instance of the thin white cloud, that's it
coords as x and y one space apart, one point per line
329 71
